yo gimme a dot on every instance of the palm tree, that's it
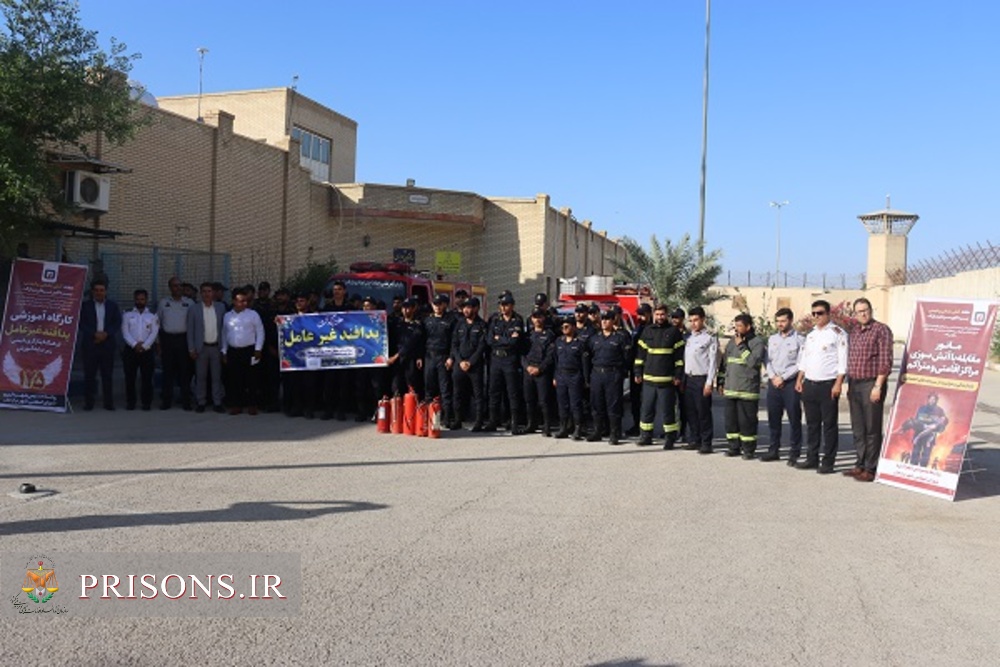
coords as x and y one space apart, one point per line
678 274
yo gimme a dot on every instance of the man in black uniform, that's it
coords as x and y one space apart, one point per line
368 382
659 367
406 351
506 337
302 389
468 358
609 350
584 330
677 320
438 328
643 316
461 296
538 368
271 372
542 305
337 382
569 355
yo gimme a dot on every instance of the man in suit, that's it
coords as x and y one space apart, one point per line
100 321
204 333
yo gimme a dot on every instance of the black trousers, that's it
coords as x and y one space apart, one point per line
635 400
821 418
469 384
143 364
505 380
302 392
242 377
367 389
741 424
437 380
699 410
779 403
270 379
406 375
660 398
569 392
176 367
606 389
866 422
99 358
538 395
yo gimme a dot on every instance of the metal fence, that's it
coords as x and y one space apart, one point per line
129 266
785 279
950 263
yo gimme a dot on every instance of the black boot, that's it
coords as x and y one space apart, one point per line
564 429
546 427
595 435
616 432
645 439
577 424
532 426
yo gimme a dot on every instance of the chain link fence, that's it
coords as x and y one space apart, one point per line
785 279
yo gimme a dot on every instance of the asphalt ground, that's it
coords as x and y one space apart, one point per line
499 550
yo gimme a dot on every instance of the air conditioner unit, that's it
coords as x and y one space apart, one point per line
88 190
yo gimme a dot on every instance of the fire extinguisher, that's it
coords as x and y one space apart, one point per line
384 418
396 414
421 429
410 413
434 419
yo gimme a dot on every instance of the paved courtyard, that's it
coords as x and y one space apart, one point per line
511 551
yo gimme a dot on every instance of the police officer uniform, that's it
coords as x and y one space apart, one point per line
437 368
336 383
569 354
174 351
538 387
368 381
302 389
609 358
406 344
506 337
468 348
139 330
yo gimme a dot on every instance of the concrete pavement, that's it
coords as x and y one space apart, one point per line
508 551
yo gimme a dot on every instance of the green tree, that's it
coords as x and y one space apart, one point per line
58 90
312 276
677 273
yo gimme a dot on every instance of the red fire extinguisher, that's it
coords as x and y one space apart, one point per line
410 413
421 429
396 414
383 420
434 419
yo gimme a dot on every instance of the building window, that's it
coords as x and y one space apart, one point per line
315 152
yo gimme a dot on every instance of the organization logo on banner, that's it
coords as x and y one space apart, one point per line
38 588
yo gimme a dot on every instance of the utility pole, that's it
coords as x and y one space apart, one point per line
704 131
201 71
777 255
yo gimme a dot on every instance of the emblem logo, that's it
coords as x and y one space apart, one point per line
40 580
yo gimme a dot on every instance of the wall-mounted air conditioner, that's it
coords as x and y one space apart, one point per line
88 190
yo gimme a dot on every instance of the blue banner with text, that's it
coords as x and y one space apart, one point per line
321 341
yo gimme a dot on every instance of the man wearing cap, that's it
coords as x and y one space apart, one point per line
542 305
659 368
643 316
468 359
438 328
569 380
406 351
584 330
538 371
609 354
368 381
506 337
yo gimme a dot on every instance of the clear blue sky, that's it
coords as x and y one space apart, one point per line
830 105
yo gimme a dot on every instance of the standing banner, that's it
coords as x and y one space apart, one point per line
940 376
319 341
39 334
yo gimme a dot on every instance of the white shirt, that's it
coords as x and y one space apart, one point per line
140 327
701 355
211 327
824 354
242 330
99 309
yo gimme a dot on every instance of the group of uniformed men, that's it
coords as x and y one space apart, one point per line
548 373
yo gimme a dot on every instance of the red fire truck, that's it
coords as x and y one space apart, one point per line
383 282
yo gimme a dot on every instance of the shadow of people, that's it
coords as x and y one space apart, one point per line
275 510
